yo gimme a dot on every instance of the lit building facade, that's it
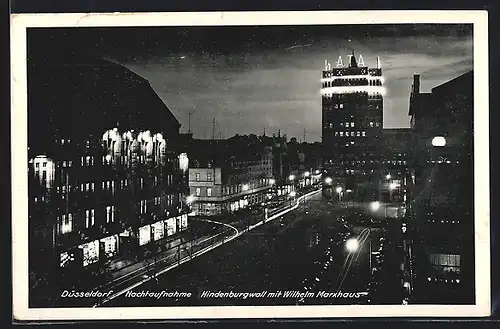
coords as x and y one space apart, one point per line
229 175
106 177
395 159
352 123
441 212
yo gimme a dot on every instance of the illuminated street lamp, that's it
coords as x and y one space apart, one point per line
352 245
291 177
339 192
307 174
439 141
375 205
388 176
328 180
272 181
293 194
393 186
190 199
245 187
317 172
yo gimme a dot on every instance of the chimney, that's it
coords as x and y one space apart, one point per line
416 83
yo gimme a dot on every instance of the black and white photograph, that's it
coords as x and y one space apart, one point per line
250 165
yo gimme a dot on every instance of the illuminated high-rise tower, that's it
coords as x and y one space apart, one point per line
352 119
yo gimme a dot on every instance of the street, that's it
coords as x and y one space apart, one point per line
305 251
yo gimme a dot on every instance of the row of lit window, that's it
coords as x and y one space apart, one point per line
443 280
208 191
441 161
374 95
209 177
351 133
444 221
110 185
67 219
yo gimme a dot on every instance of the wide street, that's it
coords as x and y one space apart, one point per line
321 248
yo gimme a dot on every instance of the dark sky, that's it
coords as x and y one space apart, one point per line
256 78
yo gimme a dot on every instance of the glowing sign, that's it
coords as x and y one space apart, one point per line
357 76
354 89
438 141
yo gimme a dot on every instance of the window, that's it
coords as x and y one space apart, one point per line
341 133
197 177
371 124
66 223
364 133
336 133
357 133
37 165
341 106
209 177
89 218
198 191
377 124
352 124
141 182
45 164
143 206
108 214
209 191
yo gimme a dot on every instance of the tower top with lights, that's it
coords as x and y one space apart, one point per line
355 77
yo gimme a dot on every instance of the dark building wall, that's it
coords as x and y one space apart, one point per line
442 202
112 149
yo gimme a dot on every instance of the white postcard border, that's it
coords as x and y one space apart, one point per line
19 161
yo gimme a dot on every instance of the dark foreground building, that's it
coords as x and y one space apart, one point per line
106 176
352 123
442 209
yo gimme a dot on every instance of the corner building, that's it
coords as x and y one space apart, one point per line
352 123
106 176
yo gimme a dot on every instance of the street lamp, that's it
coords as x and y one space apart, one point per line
291 177
245 187
352 245
375 205
339 191
307 174
439 141
388 176
328 180
190 199
272 181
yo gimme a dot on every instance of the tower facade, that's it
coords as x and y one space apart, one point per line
352 123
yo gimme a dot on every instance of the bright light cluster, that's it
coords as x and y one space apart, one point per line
354 89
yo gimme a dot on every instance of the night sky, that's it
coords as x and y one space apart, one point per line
256 78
